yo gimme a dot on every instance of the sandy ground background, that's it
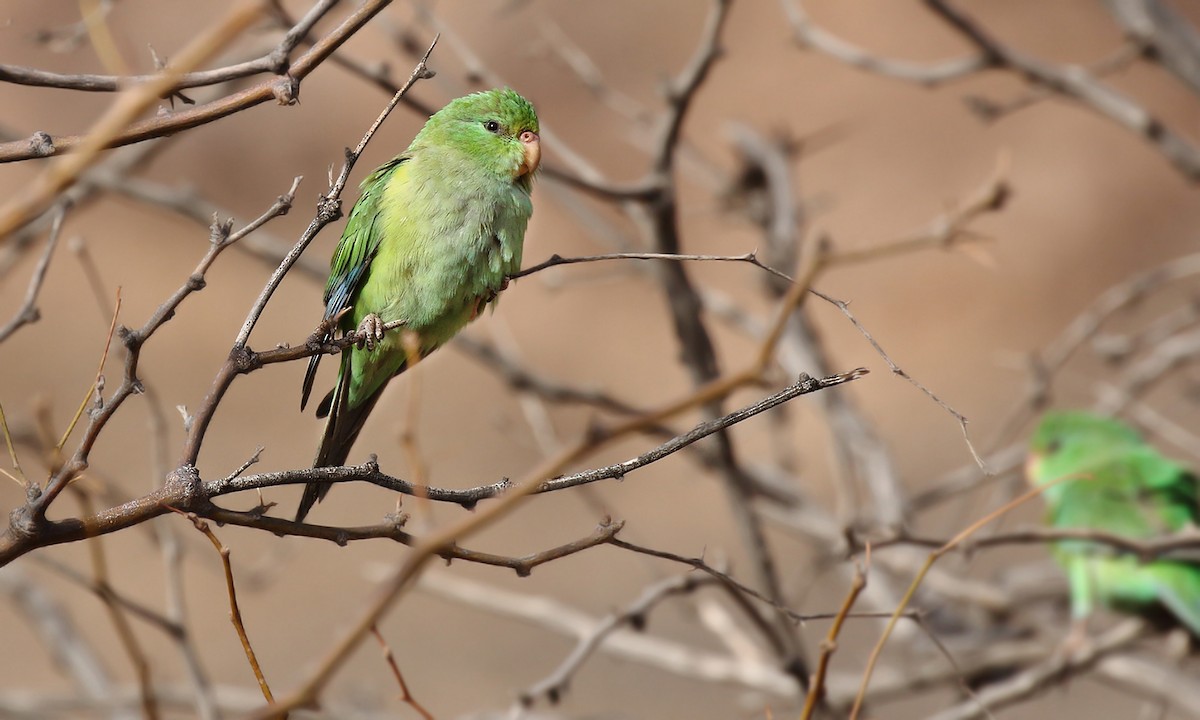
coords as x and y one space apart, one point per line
1091 205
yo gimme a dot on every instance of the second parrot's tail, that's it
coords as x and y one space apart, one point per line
1179 589
342 427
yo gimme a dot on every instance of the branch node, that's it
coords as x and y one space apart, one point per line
286 90
196 282
244 359
278 61
329 209
130 338
22 521
184 483
42 144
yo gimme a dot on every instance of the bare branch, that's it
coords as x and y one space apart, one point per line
28 311
275 61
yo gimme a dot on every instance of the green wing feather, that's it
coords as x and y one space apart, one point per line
359 243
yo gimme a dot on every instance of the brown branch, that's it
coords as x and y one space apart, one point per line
27 518
408 571
946 231
284 90
184 490
276 61
1145 549
808 35
28 312
235 613
1045 675
390 659
1163 34
1079 85
554 685
1073 82
62 173
816 691
684 660
556 259
844 307
468 497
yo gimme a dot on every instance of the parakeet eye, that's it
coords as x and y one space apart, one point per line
492 126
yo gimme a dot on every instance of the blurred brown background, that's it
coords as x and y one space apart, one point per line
1092 205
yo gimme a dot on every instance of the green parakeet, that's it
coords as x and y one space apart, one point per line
1101 475
432 239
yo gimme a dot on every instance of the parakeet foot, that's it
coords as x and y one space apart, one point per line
1077 641
370 331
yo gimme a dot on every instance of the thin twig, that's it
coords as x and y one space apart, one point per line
28 312
556 259
390 659
816 690
235 613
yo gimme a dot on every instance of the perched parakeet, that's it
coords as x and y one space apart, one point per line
431 241
1101 475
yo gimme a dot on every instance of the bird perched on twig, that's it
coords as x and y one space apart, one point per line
1099 474
430 243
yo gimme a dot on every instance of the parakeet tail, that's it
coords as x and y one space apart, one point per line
1179 590
342 427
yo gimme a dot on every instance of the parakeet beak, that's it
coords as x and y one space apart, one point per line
533 153
1033 467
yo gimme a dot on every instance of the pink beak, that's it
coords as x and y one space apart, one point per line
533 153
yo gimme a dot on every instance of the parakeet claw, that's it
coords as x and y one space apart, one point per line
370 331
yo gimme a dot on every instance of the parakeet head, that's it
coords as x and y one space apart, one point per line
496 130
1067 443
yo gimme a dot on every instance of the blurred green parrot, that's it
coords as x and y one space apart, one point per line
431 241
1099 474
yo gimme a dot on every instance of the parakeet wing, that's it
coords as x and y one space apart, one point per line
358 245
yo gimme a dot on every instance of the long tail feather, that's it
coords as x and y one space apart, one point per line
341 430
1179 590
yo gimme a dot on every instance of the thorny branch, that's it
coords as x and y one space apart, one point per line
276 62
186 491
284 89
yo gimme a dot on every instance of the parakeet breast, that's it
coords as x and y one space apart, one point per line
459 235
